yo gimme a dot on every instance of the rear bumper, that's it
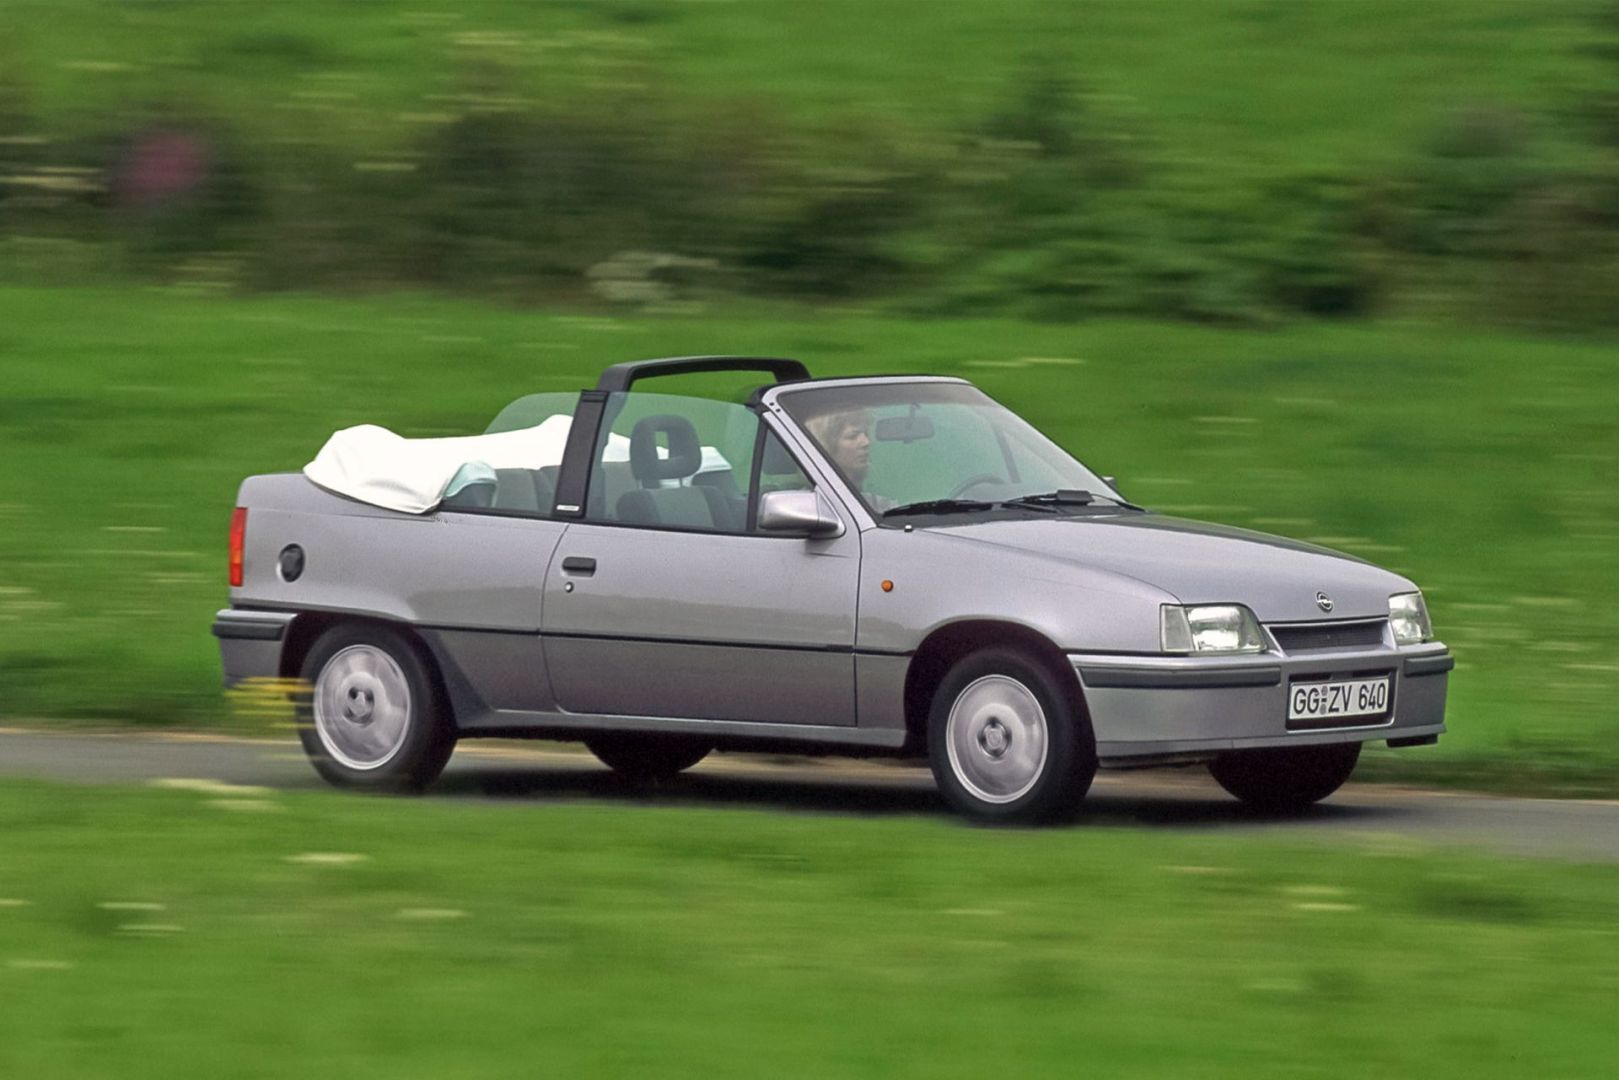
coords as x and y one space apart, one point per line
250 643
1144 708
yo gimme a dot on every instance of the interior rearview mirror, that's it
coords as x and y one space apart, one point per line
904 429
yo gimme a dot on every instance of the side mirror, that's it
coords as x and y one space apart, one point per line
798 513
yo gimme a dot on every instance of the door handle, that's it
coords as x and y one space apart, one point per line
582 565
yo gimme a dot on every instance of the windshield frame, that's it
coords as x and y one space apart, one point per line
780 398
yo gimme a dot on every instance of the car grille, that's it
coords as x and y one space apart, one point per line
1324 637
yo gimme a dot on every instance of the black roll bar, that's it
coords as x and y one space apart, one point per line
619 377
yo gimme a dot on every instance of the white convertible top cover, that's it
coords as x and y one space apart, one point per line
375 466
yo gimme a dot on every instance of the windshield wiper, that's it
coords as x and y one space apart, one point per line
1047 502
1067 497
939 506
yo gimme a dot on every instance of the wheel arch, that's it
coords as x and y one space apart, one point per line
948 644
308 627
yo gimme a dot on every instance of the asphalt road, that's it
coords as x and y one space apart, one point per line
1183 800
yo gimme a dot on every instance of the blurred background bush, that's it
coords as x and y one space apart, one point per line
1227 163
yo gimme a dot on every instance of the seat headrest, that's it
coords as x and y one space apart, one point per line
685 453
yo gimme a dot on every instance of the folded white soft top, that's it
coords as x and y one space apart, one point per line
375 466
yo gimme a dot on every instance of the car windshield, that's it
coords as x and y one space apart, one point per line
934 447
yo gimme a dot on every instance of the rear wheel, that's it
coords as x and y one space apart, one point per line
374 716
1007 741
1289 778
644 758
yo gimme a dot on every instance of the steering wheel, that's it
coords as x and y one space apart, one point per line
972 482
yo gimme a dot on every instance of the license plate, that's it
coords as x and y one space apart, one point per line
1331 700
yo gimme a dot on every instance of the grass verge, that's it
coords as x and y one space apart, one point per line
217 929
1477 464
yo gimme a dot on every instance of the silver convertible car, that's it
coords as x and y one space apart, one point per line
871 566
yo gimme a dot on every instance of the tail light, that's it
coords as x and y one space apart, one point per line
238 538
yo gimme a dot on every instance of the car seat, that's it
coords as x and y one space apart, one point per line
654 504
473 485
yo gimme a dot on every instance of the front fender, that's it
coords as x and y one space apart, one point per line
938 579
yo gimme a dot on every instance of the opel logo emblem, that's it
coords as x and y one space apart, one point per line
1323 601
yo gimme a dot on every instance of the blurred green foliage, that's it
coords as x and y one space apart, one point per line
1229 163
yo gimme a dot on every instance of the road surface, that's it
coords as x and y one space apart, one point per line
1184 800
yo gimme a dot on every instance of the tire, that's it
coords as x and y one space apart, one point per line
1008 742
375 716
1285 779
646 758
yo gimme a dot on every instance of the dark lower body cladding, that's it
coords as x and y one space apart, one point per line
498 686
250 643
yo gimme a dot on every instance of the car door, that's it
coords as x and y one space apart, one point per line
473 575
666 600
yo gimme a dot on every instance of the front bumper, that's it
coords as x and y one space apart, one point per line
1146 708
250 643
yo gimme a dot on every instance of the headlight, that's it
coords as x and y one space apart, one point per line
1212 628
1408 615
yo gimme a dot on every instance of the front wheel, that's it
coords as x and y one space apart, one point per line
374 716
1007 741
1285 779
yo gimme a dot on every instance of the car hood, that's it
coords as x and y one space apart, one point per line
1199 562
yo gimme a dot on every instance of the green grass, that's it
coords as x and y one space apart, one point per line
473 940
1240 88
1479 465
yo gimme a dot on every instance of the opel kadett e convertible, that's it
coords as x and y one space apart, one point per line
871 566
